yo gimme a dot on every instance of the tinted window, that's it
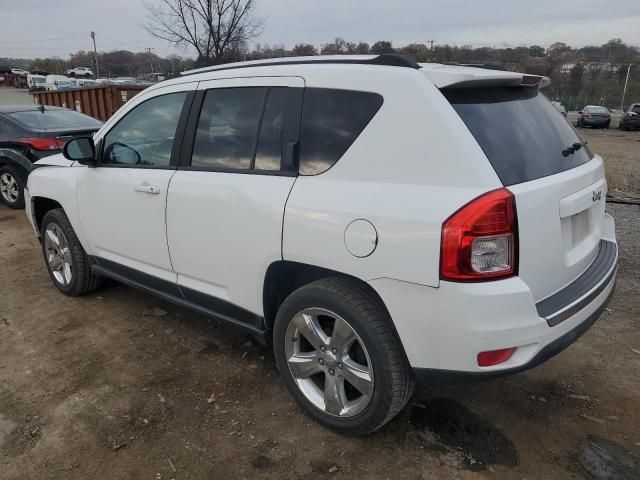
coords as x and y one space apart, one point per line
269 152
331 121
636 109
521 133
55 119
227 128
145 135
7 129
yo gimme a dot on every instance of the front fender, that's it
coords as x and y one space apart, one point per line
58 184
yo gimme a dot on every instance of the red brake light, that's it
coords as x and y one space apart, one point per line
480 240
37 143
494 357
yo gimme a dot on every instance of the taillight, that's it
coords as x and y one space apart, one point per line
480 240
37 143
587 115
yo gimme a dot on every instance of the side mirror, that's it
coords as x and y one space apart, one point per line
81 150
121 154
579 112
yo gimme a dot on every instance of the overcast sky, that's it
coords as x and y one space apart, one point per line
39 28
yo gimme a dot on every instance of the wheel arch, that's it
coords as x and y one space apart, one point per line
283 277
40 207
13 158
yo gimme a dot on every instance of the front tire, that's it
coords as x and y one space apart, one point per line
12 187
340 357
66 260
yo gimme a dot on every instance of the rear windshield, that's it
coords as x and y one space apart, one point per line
521 133
597 109
55 119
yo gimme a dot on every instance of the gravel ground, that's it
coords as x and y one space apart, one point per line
119 384
14 96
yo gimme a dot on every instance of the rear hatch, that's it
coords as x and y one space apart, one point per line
558 184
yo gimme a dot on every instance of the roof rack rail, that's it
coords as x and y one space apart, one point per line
486 66
388 59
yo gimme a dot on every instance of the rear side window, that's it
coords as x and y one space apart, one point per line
241 129
520 132
227 128
269 151
54 119
331 122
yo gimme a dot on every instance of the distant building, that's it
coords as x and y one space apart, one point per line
591 67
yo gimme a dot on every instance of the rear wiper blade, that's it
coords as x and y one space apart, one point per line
573 148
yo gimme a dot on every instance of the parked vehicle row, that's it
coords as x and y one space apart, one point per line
377 221
29 133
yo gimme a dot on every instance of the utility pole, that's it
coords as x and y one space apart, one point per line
95 51
624 91
150 59
430 42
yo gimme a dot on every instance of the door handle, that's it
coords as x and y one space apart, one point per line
147 188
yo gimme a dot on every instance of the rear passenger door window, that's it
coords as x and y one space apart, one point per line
331 121
241 129
227 128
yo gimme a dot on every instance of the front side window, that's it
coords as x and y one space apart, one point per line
144 137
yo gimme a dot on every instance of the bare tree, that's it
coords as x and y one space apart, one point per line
212 27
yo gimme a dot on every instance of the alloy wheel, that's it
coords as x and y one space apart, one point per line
329 362
9 187
58 254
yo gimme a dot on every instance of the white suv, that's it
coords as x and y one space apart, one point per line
80 72
373 219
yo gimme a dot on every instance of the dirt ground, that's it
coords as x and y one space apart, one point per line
621 153
120 385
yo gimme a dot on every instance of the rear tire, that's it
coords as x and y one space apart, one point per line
12 181
66 260
309 339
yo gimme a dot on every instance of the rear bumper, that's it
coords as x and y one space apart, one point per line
598 122
444 329
425 375
631 123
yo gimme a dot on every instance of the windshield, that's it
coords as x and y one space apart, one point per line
55 119
597 110
522 134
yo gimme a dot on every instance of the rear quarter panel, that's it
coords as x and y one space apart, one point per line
412 166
